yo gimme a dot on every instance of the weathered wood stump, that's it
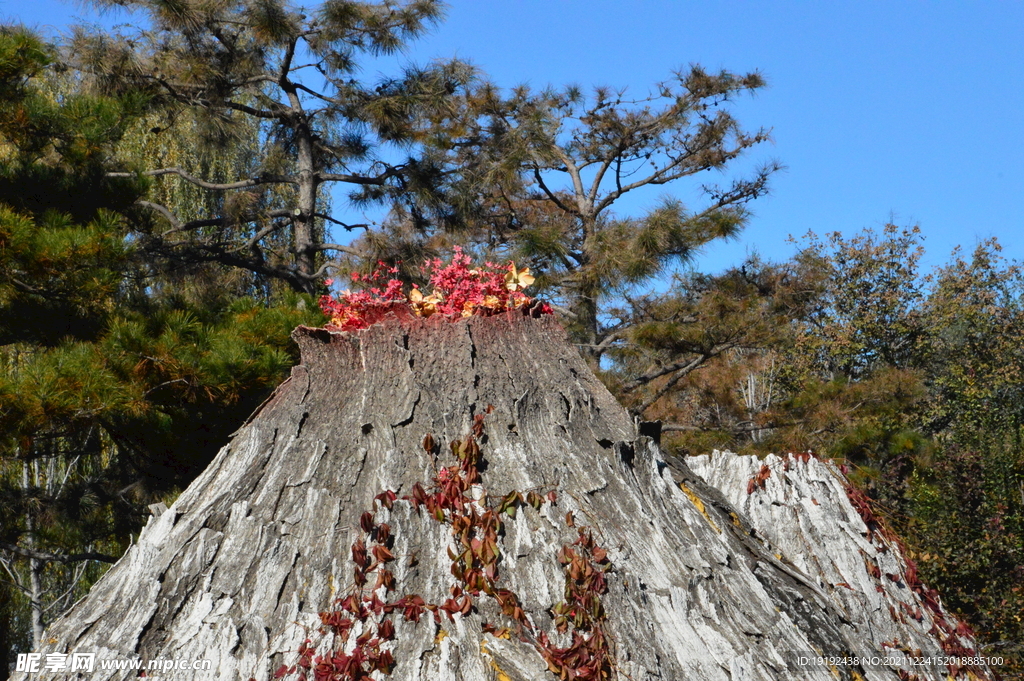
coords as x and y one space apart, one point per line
801 507
239 569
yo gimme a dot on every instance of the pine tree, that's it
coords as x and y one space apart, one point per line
537 176
115 390
224 66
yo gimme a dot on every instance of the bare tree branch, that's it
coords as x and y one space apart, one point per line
241 184
57 557
690 365
338 247
670 383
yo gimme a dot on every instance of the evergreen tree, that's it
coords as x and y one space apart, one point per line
115 390
226 65
536 176
912 379
176 147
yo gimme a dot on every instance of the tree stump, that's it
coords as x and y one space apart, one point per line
240 568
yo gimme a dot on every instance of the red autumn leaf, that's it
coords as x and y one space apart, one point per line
385 662
386 630
385 579
352 604
382 554
489 551
359 556
451 606
376 604
412 607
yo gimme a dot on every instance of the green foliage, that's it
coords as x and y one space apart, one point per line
976 329
284 81
537 173
967 529
867 314
913 380
700 326
116 385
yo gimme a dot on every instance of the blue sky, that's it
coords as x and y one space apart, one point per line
907 110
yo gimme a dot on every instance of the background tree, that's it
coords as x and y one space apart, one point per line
735 318
868 313
967 505
539 174
911 378
114 391
975 322
145 142
226 65
843 345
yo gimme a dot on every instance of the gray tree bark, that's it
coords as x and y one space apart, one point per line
237 570
803 511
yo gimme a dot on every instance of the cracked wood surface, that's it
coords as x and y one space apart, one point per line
803 513
237 570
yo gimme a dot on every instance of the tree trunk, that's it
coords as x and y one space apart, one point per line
239 569
35 566
304 240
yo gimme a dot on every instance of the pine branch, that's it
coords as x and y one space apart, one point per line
337 247
690 365
670 383
258 113
347 226
178 226
241 184
314 93
551 195
359 179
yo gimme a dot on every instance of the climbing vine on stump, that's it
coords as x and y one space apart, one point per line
459 290
457 499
